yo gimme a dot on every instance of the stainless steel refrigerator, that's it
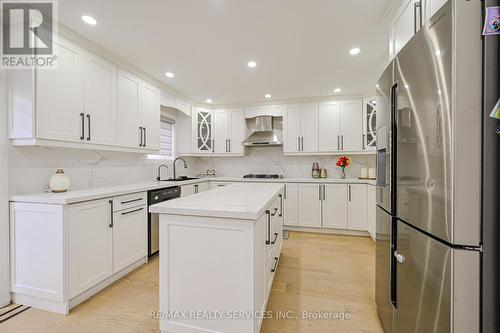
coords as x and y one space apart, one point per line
429 125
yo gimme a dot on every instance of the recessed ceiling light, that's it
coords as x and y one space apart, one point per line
208 100
355 51
252 64
169 74
337 90
89 20
268 96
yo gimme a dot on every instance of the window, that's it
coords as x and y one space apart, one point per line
167 130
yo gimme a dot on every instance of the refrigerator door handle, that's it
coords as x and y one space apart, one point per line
399 257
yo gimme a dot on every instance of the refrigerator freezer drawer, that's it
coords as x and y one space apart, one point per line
437 286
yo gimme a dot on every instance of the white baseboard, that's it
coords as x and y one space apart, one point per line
328 231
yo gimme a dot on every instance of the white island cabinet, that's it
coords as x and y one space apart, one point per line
220 253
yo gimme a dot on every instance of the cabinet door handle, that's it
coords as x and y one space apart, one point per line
338 142
130 201
342 141
281 205
284 191
417 6
275 212
275 265
132 211
268 236
319 190
363 142
213 146
88 121
302 144
144 143
111 211
298 143
229 145
226 145
349 193
83 126
324 192
140 136
196 189
275 238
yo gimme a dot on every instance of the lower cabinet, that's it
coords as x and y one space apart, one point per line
335 206
371 210
63 254
130 234
291 207
357 207
90 245
309 205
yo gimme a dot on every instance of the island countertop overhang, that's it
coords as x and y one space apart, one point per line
246 201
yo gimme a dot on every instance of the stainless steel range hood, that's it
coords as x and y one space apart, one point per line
264 131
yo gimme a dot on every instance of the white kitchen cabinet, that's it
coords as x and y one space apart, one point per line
90 245
150 116
229 131
407 22
222 131
329 127
59 96
432 6
309 205
194 188
335 206
369 123
85 102
100 78
187 190
183 133
301 128
351 125
371 210
357 207
130 236
203 131
129 110
202 187
291 207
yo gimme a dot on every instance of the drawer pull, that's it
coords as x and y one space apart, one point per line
275 265
132 211
268 235
275 238
130 201
111 214
275 212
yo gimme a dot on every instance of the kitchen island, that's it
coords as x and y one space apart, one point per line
219 251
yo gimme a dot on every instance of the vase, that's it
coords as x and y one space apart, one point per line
59 182
342 173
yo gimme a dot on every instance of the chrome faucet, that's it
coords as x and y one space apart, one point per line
185 165
159 171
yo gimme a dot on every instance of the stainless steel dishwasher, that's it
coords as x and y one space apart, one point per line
154 197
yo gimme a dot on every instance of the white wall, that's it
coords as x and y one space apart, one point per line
4 203
271 160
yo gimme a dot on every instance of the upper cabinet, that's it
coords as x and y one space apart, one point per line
369 123
351 138
229 131
85 102
301 129
409 18
203 131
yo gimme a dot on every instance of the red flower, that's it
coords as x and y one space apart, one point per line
343 162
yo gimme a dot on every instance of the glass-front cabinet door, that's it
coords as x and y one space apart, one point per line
369 123
203 130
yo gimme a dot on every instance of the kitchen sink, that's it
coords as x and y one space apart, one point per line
179 179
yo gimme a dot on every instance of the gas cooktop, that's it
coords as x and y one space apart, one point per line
263 176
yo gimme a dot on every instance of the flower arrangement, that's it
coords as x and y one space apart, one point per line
343 163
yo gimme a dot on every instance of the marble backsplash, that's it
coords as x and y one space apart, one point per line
30 168
271 160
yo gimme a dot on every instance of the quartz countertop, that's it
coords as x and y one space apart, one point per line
239 201
75 196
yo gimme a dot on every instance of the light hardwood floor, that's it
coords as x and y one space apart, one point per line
317 273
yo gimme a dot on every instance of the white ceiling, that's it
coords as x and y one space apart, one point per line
301 46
